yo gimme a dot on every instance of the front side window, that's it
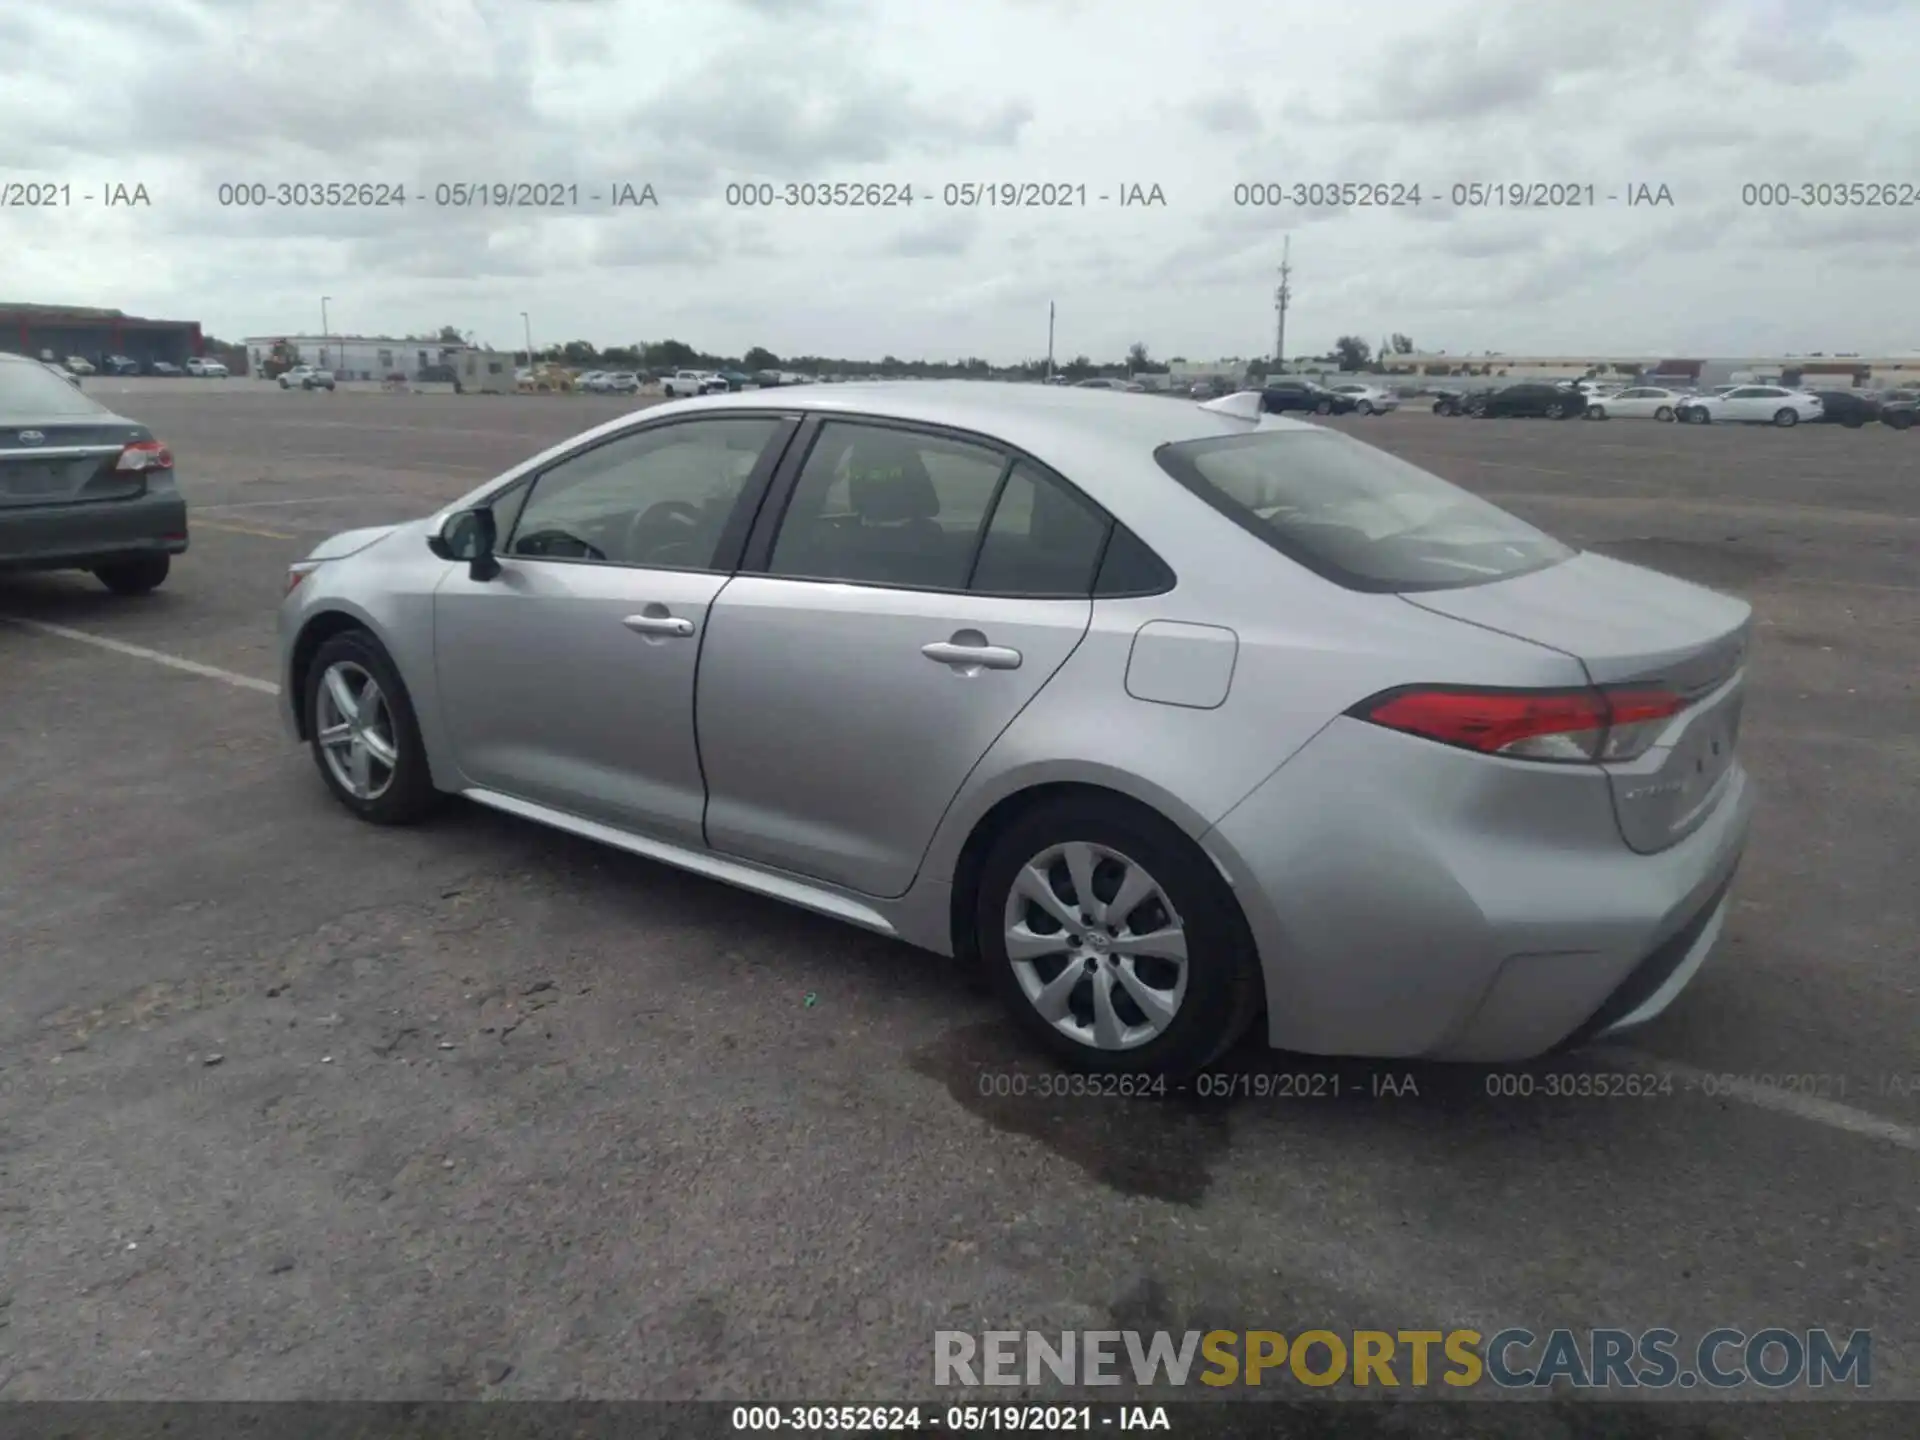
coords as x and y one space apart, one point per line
882 506
659 498
1356 515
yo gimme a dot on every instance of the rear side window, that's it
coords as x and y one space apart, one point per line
33 392
1044 540
1356 515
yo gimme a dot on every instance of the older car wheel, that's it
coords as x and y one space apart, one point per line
1556 411
1114 941
1665 412
361 728
1784 417
136 576
1324 407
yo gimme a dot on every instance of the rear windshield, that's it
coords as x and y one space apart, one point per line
33 392
1362 518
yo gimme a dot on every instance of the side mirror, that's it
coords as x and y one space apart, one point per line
468 535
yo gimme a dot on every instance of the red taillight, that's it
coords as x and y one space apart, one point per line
1565 725
145 455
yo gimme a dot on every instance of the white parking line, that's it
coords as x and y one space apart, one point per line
141 652
1769 1097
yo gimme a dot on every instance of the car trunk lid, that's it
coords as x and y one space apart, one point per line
1630 626
67 462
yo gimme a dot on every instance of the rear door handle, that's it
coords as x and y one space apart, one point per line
651 623
979 656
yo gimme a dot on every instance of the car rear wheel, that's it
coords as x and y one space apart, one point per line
1853 422
1899 420
137 576
1697 416
361 728
1784 417
1665 412
1596 412
1114 941
1324 407
1365 407
1555 411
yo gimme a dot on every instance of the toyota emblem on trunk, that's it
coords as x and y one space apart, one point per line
31 437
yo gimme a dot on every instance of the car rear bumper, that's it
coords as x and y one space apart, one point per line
1414 900
76 537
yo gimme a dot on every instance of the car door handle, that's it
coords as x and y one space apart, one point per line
981 656
659 625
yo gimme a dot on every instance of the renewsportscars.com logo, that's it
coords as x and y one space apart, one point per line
1513 1359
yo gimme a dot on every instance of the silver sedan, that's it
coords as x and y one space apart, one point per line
1170 716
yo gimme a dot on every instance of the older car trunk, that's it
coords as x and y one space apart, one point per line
1629 626
67 462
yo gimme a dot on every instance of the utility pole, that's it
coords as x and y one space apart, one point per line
325 331
529 328
1282 298
1050 340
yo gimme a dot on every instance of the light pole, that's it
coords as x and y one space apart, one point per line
324 331
1282 298
529 327
1050 340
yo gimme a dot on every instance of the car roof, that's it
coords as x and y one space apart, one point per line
1066 427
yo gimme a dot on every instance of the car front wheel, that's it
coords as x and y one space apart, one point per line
1785 418
1114 941
1365 407
1596 412
1899 420
1665 412
361 728
1325 407
137 576
1696 416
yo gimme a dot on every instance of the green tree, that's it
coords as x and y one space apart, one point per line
1351 352
760 358
1402 344
450 335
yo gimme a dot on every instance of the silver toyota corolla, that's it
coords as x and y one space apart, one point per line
1170 715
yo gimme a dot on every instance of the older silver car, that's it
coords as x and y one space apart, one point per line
1169 715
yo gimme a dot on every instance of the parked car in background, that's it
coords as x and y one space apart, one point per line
590 380
1281 397
1455 402
1637 402
1752 405
1849 408
1899 408
1532 400
165 368
620 382
82 488
120 365
1396 826
79 365
684 383
1370 399
208 369
306 377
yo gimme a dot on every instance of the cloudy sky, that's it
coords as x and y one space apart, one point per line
1701 96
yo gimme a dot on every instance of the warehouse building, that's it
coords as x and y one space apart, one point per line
60 331
358 357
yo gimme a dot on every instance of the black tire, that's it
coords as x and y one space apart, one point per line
1853 422
1224 987
1324 407
1665 412
1440 407
1899 420
138 575
285 384
1697 416
410 797
1556 411
1365 407
1596 412
1786 419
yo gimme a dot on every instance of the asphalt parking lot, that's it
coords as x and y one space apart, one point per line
499 1113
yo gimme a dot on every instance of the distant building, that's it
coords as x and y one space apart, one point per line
357 357
93 334
488 372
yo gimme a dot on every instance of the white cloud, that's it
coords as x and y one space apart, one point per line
1703 96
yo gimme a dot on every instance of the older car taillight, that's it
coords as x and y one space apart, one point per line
1553 725
145 455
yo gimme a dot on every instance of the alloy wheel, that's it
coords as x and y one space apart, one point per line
1096 946
354 727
